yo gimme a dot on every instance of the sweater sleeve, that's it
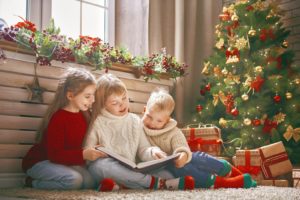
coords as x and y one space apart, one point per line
92 138
179 144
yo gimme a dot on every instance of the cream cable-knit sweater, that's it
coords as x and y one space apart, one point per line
169 139
122 134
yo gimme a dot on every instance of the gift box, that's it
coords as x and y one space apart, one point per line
296 178
205 138
275 182
249 161
274 160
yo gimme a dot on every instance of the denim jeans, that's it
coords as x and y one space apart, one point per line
202 168
111 168
48 175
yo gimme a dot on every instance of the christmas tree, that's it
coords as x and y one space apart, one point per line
251 89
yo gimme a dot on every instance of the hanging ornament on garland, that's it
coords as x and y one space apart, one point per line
245 97
256 122
297 81
247 121
252 32
289 95
223 122
207 87
257 83
285 44
234 112
277 98
234 17
199 108
225 71
258 69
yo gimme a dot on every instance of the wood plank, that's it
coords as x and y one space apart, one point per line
28 109
8 165
137 96
12 180
17 136
137 108
19 80
13 150
20 94
15 122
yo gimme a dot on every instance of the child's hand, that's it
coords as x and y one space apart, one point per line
92 154
181 160
157 153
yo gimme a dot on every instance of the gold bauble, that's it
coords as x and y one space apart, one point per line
258 69
297 81
245 97
285 44
288 95
252 32
247 121
225 72
234 17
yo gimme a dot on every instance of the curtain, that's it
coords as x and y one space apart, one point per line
185 27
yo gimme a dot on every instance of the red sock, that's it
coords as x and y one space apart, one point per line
235 171
234 182
108 185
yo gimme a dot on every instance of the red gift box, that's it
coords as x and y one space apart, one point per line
205 138
275 160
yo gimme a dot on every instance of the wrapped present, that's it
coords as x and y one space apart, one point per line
275 160
249 161
205 138
296 178
275 182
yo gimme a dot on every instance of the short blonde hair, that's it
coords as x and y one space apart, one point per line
161 100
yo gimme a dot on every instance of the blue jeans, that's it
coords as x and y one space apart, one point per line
111 168
202 168
48 175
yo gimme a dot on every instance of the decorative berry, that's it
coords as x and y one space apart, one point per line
277 98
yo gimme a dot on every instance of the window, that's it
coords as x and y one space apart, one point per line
94 18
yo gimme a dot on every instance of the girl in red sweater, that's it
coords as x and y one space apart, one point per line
57 160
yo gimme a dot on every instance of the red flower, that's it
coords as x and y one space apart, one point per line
269 125
26 24
257 84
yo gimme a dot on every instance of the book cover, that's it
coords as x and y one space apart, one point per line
142 166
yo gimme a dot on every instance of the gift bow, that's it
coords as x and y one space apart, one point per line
291 132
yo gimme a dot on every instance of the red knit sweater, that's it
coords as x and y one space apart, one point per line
62 143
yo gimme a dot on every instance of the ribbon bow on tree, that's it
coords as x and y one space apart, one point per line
291 132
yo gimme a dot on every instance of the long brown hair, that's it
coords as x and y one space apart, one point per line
74 80
107 84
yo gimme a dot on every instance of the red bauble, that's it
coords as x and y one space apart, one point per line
207 87
256 122
235 112
202 92
199 108
277 98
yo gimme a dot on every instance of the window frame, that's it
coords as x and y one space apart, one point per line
39 12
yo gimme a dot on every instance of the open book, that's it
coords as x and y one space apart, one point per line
142 166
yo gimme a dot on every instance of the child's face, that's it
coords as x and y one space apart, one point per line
156 120
117 104
82 101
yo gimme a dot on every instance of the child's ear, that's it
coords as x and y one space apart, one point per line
70 95
144 110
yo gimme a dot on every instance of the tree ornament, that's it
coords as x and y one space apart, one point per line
257 83
245 97
220 43
241 43
199 108
285 44
277 98
289 95
247 121
225 71
292 133
207 87
223 122
252 32
205 68
225 16
258 69
234 17
202 92
234 112
280 117
256 122
297 81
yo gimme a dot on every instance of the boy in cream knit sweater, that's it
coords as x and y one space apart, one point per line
207 170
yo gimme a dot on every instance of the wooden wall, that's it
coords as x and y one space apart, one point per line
291 21
20 118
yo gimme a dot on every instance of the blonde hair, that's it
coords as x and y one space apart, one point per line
107 84
74 80
161 100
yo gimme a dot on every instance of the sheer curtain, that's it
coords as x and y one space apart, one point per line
185 27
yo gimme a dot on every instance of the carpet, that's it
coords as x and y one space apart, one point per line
261 192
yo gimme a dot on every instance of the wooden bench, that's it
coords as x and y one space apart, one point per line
20 118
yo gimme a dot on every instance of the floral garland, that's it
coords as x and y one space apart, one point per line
48 45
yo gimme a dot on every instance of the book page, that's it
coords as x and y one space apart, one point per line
117 157
153 162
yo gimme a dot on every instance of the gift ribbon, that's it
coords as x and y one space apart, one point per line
267 161
254 170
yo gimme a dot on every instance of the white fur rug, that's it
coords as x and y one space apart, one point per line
261 192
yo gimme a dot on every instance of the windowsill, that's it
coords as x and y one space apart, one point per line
12 46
